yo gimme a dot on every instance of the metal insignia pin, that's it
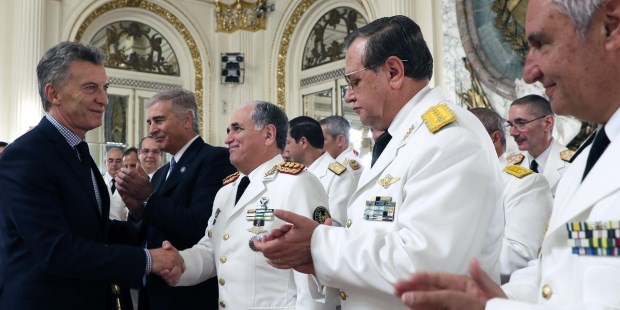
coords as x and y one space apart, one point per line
183 169
264 201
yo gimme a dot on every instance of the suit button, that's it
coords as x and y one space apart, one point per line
222 304
546 291
343 295
222 281
223 259
226 236
349 222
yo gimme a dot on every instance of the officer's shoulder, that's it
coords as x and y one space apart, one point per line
567 155
354 164
337 168
517 171
515 159
231 178
287 167
438 116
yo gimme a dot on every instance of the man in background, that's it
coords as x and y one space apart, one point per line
178 204
113 163
130 157
151 157
336 131
531 121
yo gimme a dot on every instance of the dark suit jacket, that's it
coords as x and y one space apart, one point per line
53 252
178 211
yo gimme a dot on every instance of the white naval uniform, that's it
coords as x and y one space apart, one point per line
554 166
571 281
246 280
339 188
118 211
527 205
346 157
447 190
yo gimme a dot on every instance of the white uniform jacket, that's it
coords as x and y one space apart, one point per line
527 205
246 280
118 211
339 188
446 189
559 279
349 156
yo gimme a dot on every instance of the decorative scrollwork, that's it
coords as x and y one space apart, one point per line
239 15
510 20
475 97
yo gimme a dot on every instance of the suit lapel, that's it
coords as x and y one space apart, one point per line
601 181
183 166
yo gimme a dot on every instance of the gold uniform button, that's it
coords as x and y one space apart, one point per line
226 236
546 291
222 281
223 259
222 304
343 295
349 222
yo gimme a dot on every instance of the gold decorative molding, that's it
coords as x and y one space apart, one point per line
291 24
510 21
474 97
239 15
169 17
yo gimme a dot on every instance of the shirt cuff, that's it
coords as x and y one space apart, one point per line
149 262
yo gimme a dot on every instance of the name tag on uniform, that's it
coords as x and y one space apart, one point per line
380 209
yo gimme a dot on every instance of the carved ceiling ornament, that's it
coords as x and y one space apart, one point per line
239 15
170 18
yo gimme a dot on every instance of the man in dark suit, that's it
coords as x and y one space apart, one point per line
178 205
55 235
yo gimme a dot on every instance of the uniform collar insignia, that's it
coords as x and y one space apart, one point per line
387 181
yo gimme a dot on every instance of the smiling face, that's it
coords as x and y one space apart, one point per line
535 136
80 103
245 144
170 131
150 155
572 70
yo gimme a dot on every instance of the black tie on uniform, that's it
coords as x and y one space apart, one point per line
600 143
245 181
534 166
113 187
380 144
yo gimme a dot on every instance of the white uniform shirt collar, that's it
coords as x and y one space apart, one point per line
542 158
260 171
612 128
323 160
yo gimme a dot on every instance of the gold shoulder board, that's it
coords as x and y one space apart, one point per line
337 168
515 159
354 164
518 171
567 155
290 168
231 178
436 117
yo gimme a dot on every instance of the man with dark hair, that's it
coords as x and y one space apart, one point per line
336 131
56 241
430 201
527 203
113 162
177 206
243 212
150 156
304 145
575 53
531 123
130 157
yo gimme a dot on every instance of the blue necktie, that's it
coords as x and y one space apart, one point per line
172 164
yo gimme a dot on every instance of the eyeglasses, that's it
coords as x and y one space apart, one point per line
353 83
152 151
520 125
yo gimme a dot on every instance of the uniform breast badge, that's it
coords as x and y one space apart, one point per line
387 181
258 217
380 209
594 238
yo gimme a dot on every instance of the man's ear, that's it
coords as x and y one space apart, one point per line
270 134
340 140
396 68
612 24
496 137
52 94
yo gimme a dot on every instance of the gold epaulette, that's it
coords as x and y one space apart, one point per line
337 168
515 159
289 167
231 178
436 117
567 155
518 171
354 164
